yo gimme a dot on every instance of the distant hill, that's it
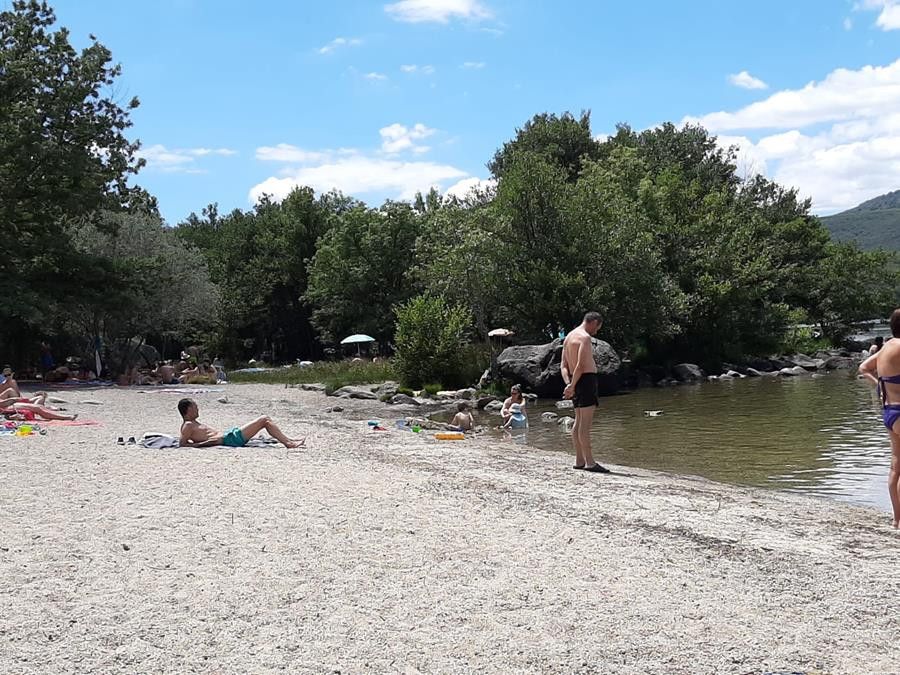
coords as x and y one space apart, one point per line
873 224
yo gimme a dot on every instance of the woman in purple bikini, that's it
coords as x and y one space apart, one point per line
883 368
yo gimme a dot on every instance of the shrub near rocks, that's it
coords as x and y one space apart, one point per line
430 338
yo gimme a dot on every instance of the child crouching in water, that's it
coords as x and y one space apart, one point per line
463 419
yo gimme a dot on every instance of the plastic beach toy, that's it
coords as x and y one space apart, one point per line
450 436
24 430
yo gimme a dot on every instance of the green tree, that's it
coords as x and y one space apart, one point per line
144 283
853 285
361 270
561 140
430 338
64 157
260 261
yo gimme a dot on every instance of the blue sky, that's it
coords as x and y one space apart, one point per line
383 98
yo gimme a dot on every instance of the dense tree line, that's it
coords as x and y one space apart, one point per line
655 229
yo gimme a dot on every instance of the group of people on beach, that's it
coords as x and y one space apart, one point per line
579 373
186 370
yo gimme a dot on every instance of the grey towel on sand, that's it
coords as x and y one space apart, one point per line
159 441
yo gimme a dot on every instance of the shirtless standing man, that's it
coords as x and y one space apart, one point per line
197 435
883 368
579 372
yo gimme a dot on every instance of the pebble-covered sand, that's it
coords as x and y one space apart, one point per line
392 552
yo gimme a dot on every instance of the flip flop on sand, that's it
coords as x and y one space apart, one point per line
596 469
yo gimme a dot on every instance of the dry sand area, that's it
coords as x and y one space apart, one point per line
393 552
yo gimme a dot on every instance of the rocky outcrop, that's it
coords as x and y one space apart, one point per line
841 363
537 367
403 399
354 392
804 362
688 372
483 402
386 390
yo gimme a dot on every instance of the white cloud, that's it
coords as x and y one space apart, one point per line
414 69
463 188
843 94
474 65
375 77
284 152
437 11
848 23
179 160
339 42
745 80
889 12
397 138
836 140
359 174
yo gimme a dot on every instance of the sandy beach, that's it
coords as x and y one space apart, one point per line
390 551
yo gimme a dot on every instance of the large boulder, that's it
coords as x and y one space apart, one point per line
403 399
538 367
354 392
482 402
386 390
688 372
760 364
841 363
804 361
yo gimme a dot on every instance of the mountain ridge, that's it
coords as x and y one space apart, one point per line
875 223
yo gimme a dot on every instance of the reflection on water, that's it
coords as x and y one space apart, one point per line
819 435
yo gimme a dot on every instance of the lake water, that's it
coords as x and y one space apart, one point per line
817 435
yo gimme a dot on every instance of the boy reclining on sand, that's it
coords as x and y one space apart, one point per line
197 435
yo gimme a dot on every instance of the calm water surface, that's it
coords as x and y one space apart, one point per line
818 435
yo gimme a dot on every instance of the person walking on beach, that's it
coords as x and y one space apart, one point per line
197 435
883 368
579 372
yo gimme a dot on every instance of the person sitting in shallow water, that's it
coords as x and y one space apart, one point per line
517 419
197 435
463 420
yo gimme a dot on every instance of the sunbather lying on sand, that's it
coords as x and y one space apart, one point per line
10 407
197 435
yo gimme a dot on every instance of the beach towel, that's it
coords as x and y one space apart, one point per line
159 441
173 390
70 423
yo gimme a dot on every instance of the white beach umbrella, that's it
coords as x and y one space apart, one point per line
357 340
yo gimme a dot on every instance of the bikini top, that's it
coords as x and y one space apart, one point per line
890 379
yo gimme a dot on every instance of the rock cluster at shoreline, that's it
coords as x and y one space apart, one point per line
537 368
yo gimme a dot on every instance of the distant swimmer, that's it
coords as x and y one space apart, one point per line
579 372
883 368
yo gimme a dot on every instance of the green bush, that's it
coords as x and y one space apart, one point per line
432 389
430 339
405 390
